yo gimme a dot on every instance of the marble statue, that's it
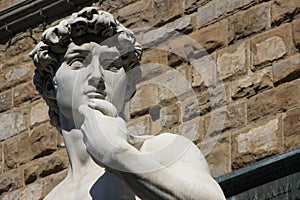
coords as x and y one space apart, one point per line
81 71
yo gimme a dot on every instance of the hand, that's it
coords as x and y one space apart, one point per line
104 132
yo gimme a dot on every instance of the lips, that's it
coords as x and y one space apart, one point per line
96 95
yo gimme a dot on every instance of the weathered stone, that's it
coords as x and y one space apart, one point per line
292 142
5 100
12 123
204 72
192 5
113 6
180 24
10 180
270 45
162 9
291 123
22 44
225 118
248 22
192 129
137 14
38 113
296 33
252 84
140 126
24 92
287 70
232 61
217 154
170 115
271 49
274 100
43 140
256 143
145 97
211 37
218 8
30 192
154 56
282 11
151 70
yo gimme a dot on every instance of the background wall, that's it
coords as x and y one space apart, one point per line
252 79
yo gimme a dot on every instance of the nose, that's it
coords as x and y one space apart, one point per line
96 76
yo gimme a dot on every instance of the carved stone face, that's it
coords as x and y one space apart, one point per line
89 71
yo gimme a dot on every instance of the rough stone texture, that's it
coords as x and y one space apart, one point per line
192 5
260 141
43 140
138 14
10 180
287 70
140 126
225 118
283 11
211 37
38 113
192 129
154 56
291 128
252 84
270 45
5 100
162 9
217 154
32 192
170 115
24 92
275 100
12 123
296 33
232 61
248 22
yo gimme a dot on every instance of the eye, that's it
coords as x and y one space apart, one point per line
114 67
76 63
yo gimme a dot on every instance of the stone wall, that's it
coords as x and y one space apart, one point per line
224 73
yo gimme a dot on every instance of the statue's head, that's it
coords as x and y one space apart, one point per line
86 56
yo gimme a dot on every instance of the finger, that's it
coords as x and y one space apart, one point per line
84 110
104 107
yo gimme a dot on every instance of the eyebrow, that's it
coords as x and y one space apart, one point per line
79 52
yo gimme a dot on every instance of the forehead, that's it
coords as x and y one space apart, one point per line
92 48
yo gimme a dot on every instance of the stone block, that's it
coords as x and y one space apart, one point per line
291 123
287 70
252 84
115 5
225 118
190 107
275 100
24 92
12 123
211 37
17 150
217 154
180 25
170 115
11 180
145 97
151 70
137 14
254 143
162 9
232 61
192 129
283 11
43 140
204 72
296 32
154 56
140 126
13 75
270 46
22 44
39 113
5 100
192 5
248 22
30 192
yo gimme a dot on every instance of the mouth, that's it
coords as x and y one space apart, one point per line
96 95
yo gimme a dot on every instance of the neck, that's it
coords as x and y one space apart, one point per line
79 160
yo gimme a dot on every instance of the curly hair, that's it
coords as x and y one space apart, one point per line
90 21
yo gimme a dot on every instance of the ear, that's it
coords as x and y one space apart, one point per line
49 90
